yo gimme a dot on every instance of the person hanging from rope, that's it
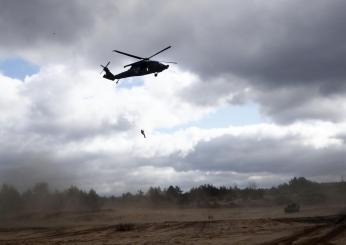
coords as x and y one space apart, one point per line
142 132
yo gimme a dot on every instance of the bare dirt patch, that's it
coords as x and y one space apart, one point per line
314 225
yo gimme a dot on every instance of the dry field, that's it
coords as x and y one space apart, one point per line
313 225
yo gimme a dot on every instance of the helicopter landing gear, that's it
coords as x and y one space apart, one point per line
155 75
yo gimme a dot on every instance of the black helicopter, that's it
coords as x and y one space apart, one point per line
139 68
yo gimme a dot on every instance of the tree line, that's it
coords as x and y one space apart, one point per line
40 198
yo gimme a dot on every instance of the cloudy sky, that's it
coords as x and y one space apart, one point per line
258 94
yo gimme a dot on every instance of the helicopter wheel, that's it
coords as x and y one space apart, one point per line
155 75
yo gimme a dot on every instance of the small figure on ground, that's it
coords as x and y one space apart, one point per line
292 207
142 132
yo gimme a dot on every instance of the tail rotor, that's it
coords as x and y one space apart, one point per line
105 67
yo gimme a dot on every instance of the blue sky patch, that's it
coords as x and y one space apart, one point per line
129 83
17 68
228 115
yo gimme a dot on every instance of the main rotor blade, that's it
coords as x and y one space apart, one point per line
159 52
168 62
131 55
134 63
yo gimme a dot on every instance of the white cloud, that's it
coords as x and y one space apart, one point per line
13 107
76 119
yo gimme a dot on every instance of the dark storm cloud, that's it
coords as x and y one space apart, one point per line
282 46
35 22
294 103
51 31
272 44
267 47
216 90
254 155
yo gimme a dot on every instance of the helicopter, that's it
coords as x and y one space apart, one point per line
139 68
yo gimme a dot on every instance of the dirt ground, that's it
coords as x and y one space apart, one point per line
313 225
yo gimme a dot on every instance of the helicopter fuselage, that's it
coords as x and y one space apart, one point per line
145 67
140 68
